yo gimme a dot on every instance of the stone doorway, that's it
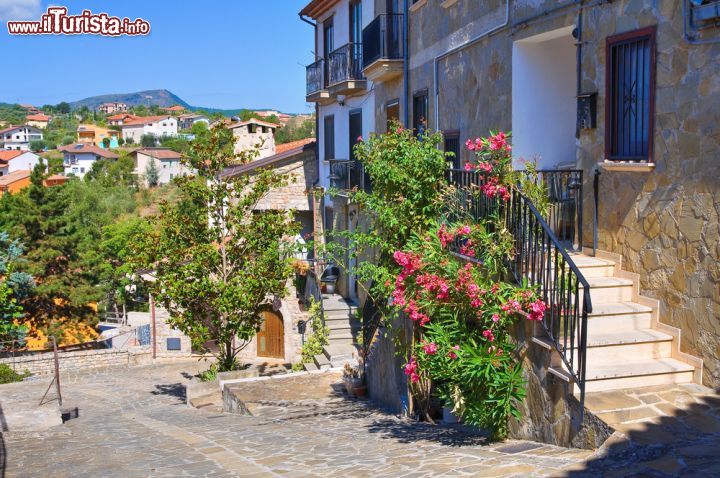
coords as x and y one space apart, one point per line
271 337
544 104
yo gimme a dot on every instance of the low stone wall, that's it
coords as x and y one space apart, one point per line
44 363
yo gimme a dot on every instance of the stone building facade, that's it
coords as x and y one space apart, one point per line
520 66
297 160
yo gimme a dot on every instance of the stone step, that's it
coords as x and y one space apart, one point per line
636 373
355 326
628 346
593 266
337 352
344 334
321 361
310 367
609 289
337 303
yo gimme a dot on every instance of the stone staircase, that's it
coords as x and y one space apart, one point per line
345 327
627 345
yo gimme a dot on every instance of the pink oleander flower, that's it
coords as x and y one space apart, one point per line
497 351
430 349
472 290
414 378
476 303
470 145
464 230
411 366
468 167
445 236
495 317
452 353
410 262
537 310
489 335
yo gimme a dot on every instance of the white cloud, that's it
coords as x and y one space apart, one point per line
20 10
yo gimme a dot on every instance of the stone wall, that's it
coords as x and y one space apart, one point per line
664 222
291 315
297 193
44 363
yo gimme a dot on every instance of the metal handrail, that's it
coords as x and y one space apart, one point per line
346 63
314 77
540 259
383 38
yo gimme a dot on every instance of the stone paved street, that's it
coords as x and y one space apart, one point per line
135 423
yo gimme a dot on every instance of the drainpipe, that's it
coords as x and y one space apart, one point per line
462 46
578 67
406 67
154 330
317 106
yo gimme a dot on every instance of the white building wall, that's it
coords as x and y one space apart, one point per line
82 163
544 99
24 162
168 169
164 127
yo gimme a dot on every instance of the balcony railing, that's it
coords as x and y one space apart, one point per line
314 77
346 63
348 175
383 39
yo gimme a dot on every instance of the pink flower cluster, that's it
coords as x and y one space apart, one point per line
453 353
488 334
511 307
414 312
445 236
430 349
498 142
492 189
411 369
476 145
537 310
434 284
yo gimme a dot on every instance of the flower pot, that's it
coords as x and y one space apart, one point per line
361 391
352 384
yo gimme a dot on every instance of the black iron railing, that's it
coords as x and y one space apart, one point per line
540 259
346 63
565 192
383 39
314 75
347 175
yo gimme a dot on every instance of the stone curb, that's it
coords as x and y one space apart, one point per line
277 377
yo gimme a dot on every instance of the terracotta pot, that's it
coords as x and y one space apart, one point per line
361 391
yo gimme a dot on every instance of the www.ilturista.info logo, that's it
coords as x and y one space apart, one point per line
56 21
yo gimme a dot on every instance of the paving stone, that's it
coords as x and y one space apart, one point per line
627 415
610 401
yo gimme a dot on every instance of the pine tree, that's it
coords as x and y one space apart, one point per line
152 175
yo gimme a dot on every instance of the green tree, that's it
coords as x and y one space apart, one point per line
62 108
37 145
68 140
14 286
216 263
106 142
152 175
129 140
148 141
198 128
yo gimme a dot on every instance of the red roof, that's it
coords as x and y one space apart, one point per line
281 148
159 153
13 177
122 116
145 120
37 117
6 155
87 148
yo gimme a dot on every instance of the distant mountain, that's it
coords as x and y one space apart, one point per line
149 97
162 98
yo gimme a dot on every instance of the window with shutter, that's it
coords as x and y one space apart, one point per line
630 96
329 137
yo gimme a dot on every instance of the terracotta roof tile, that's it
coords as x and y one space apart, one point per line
8 154
145 120
159 153
87 148
14 176
281 148
38 117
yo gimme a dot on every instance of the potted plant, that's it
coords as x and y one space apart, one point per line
353 379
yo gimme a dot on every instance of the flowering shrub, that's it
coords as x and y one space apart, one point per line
463 314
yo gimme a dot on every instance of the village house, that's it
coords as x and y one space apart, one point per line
157 126
15 160
167 162
14 182
30 109
119 119
113 107
79 158
280 336
175 109
19 137
186 121
38 120
254 133
92 134
620 95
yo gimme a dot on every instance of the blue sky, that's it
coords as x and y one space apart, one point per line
215 53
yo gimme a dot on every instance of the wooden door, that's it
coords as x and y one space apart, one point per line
271 338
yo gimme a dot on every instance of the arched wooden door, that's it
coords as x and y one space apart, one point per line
271 338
